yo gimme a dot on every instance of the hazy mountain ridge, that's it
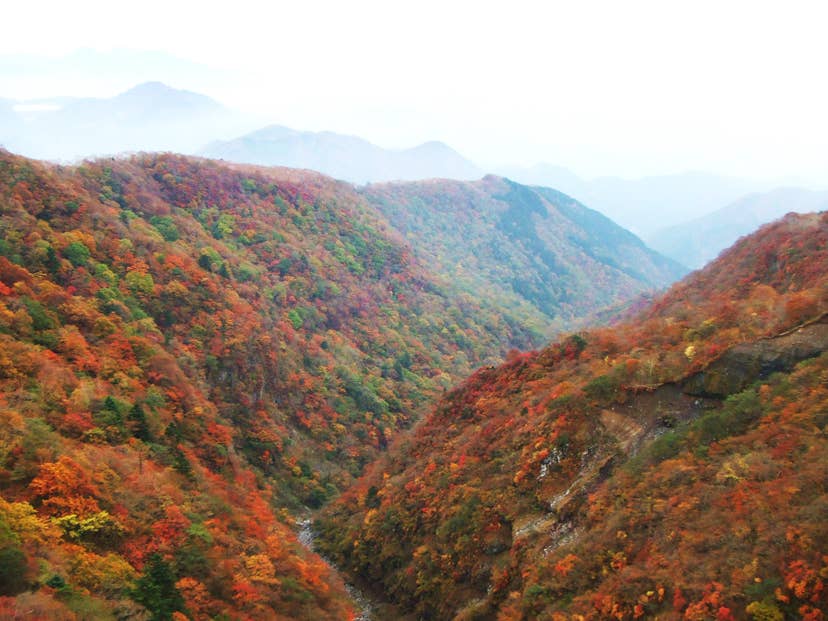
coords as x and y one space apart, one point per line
148 117
626 472
698 241
648 204
533 249
155 117
342 157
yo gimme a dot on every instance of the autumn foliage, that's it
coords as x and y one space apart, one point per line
187 351
192 353
670 466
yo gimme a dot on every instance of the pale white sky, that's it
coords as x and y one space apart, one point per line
629 88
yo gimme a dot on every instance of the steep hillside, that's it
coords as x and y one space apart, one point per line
283 296
696 242
185 349
532 249
342 157
669 467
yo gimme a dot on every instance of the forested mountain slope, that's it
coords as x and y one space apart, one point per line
672 466
185 347
528 248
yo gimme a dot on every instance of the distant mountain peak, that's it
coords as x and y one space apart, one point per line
343 156
273 132
152 84
150 116
158 100
699 240
158 91
154 87
434 145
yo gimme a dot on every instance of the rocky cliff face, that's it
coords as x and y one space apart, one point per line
746 363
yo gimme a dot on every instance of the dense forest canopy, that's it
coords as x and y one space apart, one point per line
187 349
193 354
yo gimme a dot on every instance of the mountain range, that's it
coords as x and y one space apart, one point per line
531 249
343 157
194 354
644 205
227 388
147 117
155 117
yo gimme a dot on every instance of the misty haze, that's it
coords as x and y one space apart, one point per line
443 311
